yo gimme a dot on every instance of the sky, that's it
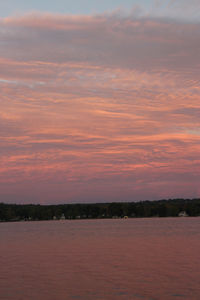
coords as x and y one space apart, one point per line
99 101
68 7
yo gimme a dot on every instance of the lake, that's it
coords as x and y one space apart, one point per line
148 259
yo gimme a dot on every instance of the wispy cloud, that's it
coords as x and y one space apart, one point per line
99 108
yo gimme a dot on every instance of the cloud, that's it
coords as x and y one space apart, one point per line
129 42
98 108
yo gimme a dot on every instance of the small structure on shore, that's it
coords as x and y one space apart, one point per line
183 214
62 217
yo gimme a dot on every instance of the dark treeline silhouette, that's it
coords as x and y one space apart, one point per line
143 209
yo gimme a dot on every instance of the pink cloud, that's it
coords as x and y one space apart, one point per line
98 108
102 40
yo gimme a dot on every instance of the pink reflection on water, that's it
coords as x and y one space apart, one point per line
101 259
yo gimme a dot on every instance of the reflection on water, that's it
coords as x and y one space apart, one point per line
150 259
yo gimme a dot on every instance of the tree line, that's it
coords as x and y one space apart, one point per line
142 209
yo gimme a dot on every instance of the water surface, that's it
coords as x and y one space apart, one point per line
154 259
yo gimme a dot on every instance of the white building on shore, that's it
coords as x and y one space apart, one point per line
183 214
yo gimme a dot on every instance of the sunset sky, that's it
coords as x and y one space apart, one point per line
99 100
